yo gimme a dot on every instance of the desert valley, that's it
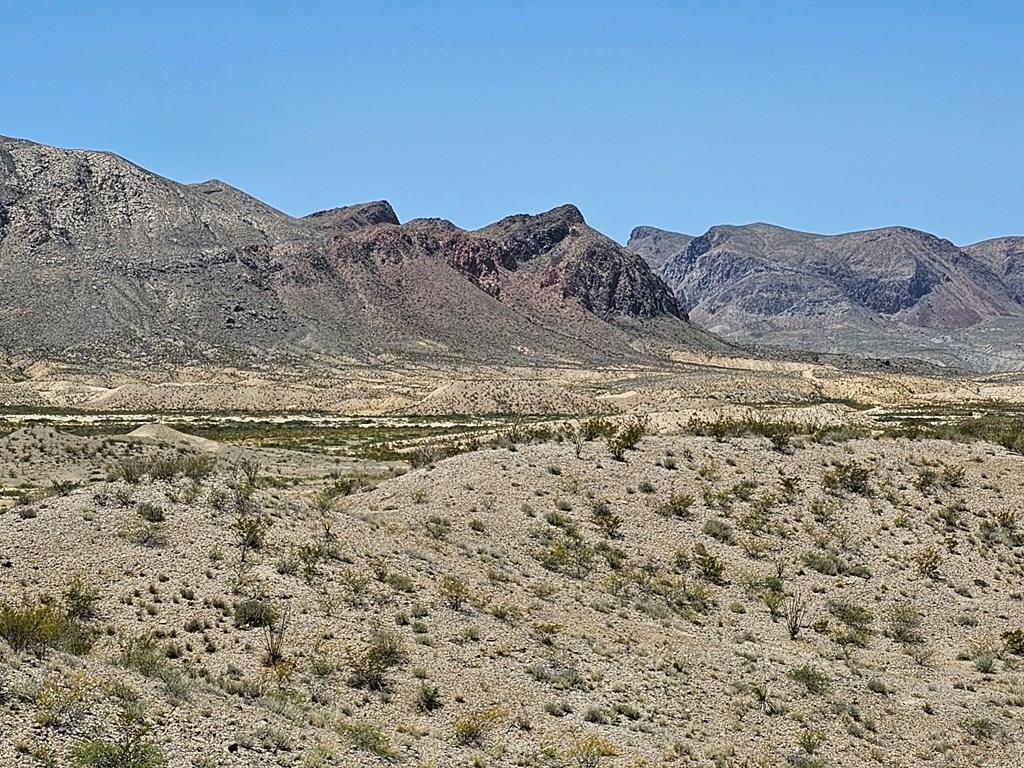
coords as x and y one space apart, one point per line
345 490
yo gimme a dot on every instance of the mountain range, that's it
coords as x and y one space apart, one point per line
878 293
101 259
103 262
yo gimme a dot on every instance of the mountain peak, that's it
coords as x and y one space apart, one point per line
349 218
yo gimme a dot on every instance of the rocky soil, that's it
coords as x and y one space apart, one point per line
718 602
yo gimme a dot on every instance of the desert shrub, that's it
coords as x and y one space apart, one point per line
144 654
471 729
876 685
927 562
384 651
810 741
369 738
254 612
780 433
850 477
980 727
719 529
454 591
905 623
796 608
250 532
62 487
856 620
812 679
63 699
709 567
773 600
146 534
198 467
570 554
677 505
35 625
605 519
438 527
428 697
588 752
131 470
150 512
633 431
831 563
80 598
952 515
984 660
1013 641
926 480
274 635
594 428
130 750
616 448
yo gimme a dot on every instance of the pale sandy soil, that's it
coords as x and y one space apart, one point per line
566 636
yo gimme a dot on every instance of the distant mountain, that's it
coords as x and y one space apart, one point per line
1005 257
101 260
889 292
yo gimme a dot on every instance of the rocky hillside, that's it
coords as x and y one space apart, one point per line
886 292
1005 257
102 260
702 602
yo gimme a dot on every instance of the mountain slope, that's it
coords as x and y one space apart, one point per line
886 292
1005 257
101 260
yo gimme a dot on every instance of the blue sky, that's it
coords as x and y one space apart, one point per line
824 116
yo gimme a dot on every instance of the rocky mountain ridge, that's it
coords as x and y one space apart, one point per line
102 259
882 293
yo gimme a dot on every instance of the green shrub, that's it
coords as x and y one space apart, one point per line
905 623
80 598
570 555
428 697
150 512
1014 641
831 563
254 613
471 729
438 527
857 621
37 625
927 562
710 568
131 750
383 652
369 738
850 477
454 591
144 654
250 531
677 505
812 679
603 517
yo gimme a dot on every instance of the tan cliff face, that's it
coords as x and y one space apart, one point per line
100 258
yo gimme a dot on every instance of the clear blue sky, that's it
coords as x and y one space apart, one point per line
825 116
